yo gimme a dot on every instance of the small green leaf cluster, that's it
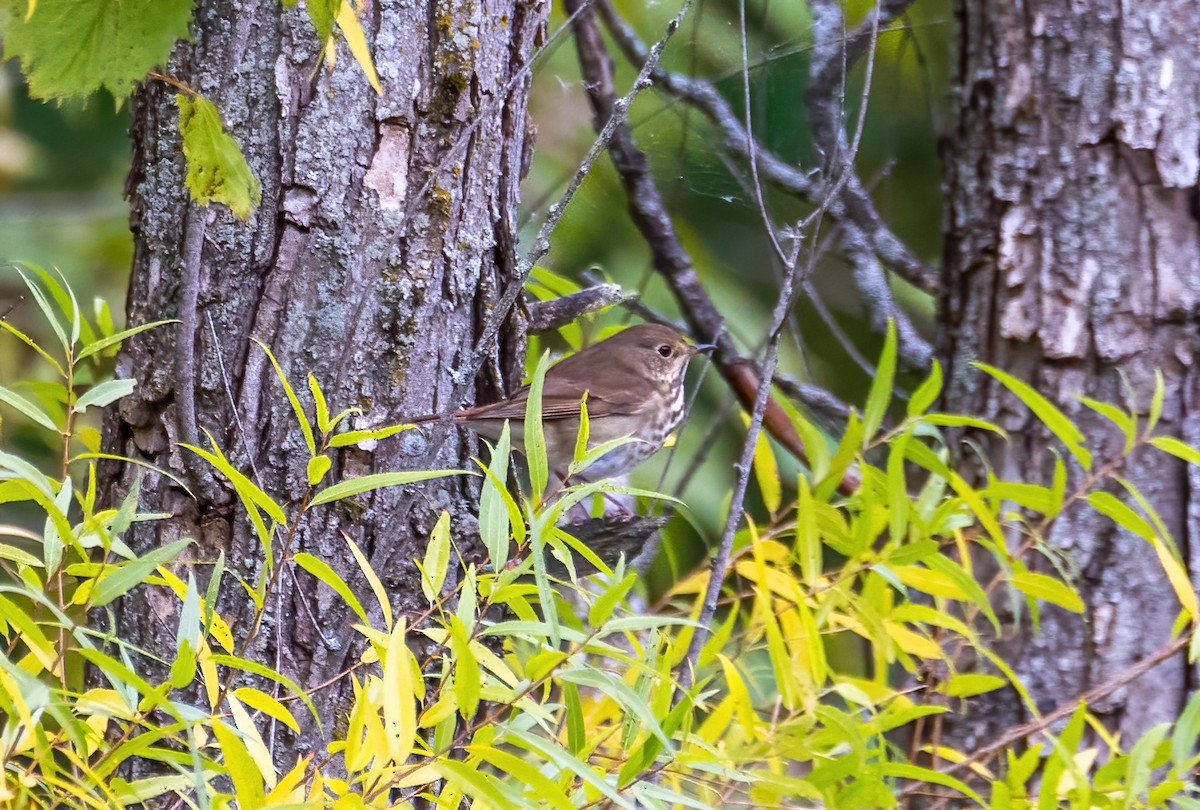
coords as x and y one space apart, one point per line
518 687
75 48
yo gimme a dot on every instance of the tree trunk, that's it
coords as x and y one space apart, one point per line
385 234
1073 258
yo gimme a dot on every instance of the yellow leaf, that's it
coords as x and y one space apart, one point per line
912 643
1179 579
399 700
347 20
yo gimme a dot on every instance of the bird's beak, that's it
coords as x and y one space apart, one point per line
703 348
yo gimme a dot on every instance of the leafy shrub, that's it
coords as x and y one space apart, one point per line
516 689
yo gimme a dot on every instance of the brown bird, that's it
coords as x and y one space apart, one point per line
634 386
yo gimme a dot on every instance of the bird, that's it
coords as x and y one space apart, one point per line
634 386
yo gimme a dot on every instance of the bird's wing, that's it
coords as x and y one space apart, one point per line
561 393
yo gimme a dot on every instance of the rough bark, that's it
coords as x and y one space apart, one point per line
386 230
1073 258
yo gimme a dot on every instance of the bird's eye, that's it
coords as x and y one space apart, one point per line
664 350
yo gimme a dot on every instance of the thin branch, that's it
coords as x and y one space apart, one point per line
851 204
1089 697
545 316
617 114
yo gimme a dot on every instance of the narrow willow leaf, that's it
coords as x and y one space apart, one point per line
216 168
324 572
576 733
970 684
301 417
607 602
904 771
927 392
1186 735
118 338
537 786
558 756
584 433
399 699
535 438
1125 422
467 679
808 539
495 520
766 473
104 394
249 491
322 407
370 483
28 341
1046 411
352 437
1048 589
381 595
243 772
437 559
34 290
1177 448
347 20
1111 507
27 408
880 394
263 671
261 701
119 580
969 585
474 782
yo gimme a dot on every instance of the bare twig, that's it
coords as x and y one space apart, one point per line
851 204
615 121
1097 692
545 316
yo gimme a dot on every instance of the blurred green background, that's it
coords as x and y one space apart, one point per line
63 168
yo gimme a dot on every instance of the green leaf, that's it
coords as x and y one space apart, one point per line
1156 403
324 572
576 733
972 683
1048 589
437 558
483 786
317 467
495 524
217 169
927 392
249 491
301 417
72 48
565 761
369 483
118 338
263 671
619 691
246 778
1185 735
607 602
1125 422
967 583
26 407
1177 448
467 680
881 386
583 434
322 406
103 394
28 341
34 290
121 579
1046 411
322 14
1111 507
766 472
535 438
905 771
351 437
